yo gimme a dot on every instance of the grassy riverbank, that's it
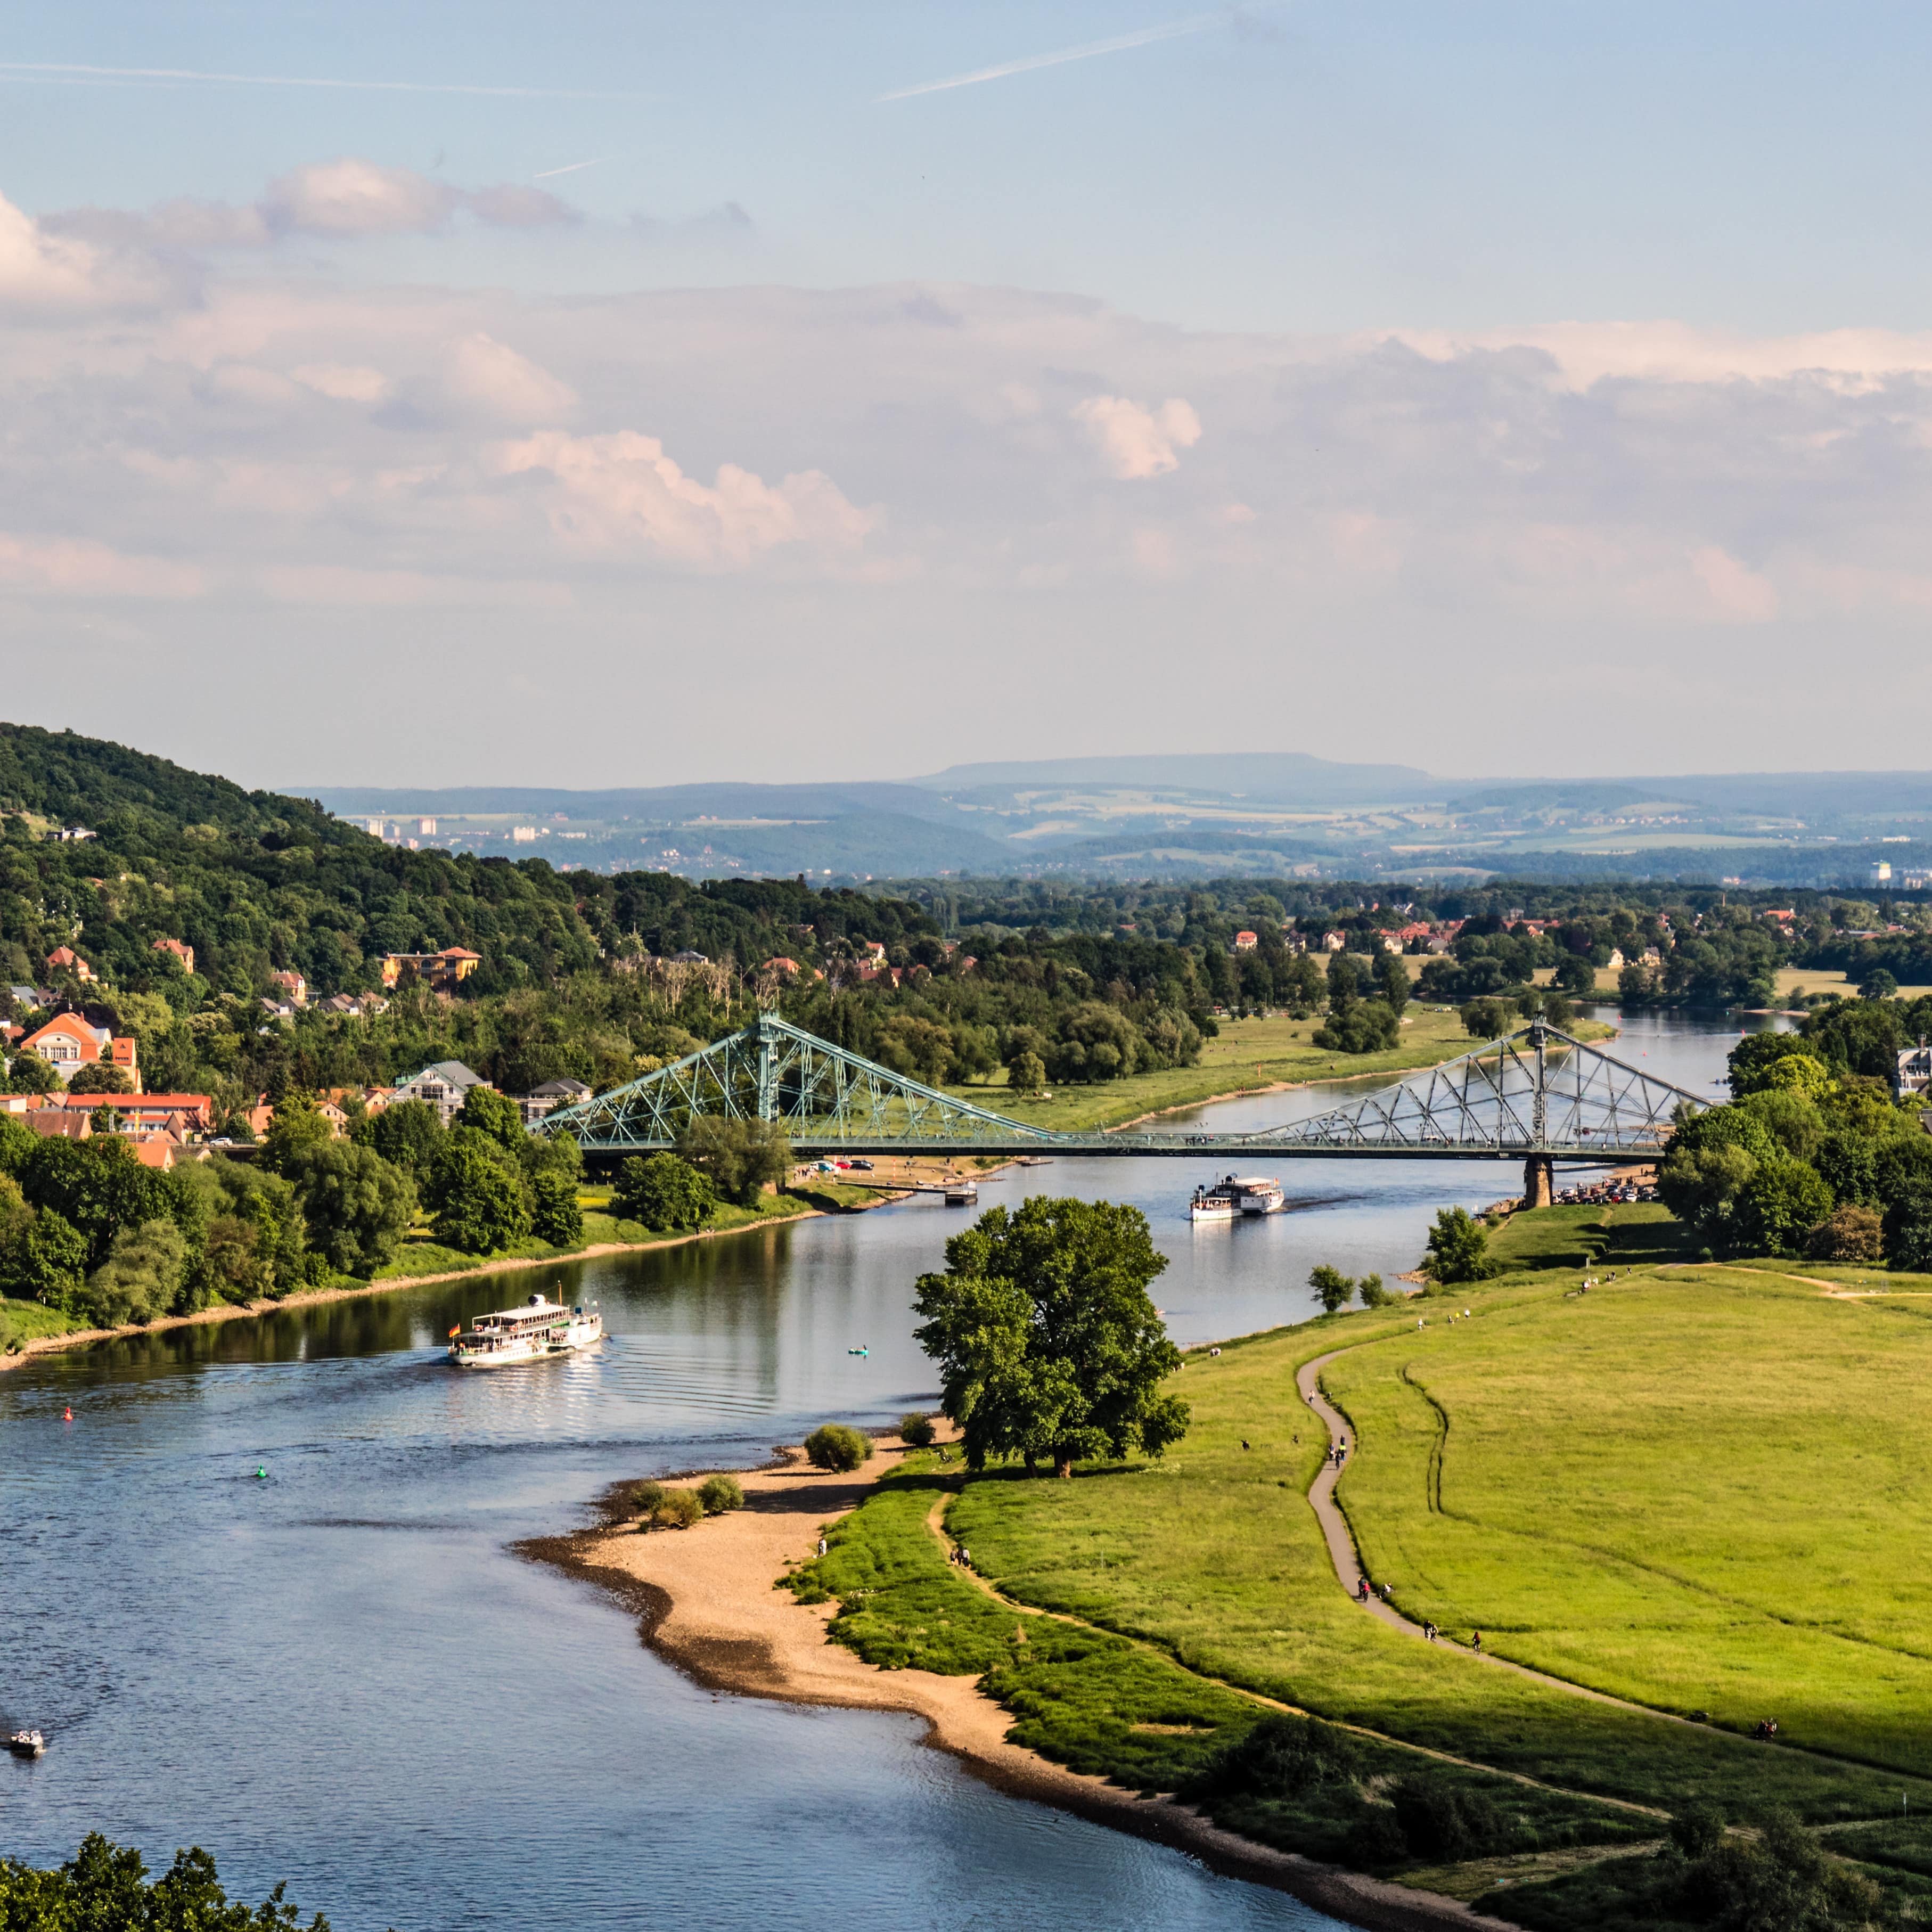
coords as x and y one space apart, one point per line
1247 1056
24 1321
1694 1488
421 1254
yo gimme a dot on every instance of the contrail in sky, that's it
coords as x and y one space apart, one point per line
1145 36
574 168
70 70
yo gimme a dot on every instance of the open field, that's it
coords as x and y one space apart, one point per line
1699 1489
1704 1492
1248 1056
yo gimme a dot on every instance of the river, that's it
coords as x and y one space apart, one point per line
338 1674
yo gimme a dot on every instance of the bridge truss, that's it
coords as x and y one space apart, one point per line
1537 1095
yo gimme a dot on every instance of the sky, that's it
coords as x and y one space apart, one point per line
637 394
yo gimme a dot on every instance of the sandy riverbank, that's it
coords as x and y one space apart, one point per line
237 1311
706 1600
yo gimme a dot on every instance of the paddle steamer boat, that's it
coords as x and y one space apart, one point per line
533 1333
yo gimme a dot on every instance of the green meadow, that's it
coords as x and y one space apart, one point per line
1701 1488
1703 1491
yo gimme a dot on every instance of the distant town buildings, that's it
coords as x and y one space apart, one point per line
65 959
181 951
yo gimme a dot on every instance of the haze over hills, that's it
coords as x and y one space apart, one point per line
1195 815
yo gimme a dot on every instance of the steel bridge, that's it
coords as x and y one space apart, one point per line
1537 1096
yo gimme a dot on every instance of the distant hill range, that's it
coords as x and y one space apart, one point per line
1194 814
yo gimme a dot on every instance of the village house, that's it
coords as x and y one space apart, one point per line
181 1117
291 985
65 959
180 949
438 971
1334 942
562 1092
1913 1073
1246 942
444 1086
67 1043
352 1006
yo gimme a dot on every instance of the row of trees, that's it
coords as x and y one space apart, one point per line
86 1227
1810 1157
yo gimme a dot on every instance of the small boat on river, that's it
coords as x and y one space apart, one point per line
534 1332
962 1192
1251 1194
27 1743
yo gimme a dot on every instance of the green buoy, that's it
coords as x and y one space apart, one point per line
262 1472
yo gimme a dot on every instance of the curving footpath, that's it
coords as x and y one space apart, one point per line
1349 1572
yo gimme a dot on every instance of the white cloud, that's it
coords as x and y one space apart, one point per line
72 567
343 382
342 200
1727 506
492 378
340 585
350 197
621 493
509 204
42 270
1137 442
1738 594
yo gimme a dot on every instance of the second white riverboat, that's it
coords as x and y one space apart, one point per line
533 1333
1253 1194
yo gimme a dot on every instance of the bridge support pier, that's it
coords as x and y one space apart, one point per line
1539 1181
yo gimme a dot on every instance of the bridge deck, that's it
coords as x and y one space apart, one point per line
1180 1146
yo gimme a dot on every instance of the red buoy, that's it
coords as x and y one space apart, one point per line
68 1417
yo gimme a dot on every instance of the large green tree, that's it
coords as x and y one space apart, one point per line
493 1114
406 1134
1458 1249
356 1206
1048 1344
742 1157
664 1192
103 1889
482 1206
